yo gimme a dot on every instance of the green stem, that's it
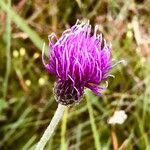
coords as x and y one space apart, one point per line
8 55
93 125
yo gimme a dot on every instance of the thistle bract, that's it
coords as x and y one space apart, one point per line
79 59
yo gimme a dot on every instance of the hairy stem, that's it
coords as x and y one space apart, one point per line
50 129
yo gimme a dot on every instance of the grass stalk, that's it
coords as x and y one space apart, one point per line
8 55
93 124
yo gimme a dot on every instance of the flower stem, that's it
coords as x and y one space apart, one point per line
63 145
50 129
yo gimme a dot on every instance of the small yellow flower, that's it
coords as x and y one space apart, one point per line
129 34
15 53
41 81
28 82
22 51
36 55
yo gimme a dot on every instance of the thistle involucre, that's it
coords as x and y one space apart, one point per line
79 59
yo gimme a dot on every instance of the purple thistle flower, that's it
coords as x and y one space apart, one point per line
79 59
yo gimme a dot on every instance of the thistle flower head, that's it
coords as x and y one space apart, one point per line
79 59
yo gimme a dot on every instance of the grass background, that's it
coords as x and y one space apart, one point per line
26 96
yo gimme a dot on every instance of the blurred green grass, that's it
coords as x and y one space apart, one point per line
26 97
